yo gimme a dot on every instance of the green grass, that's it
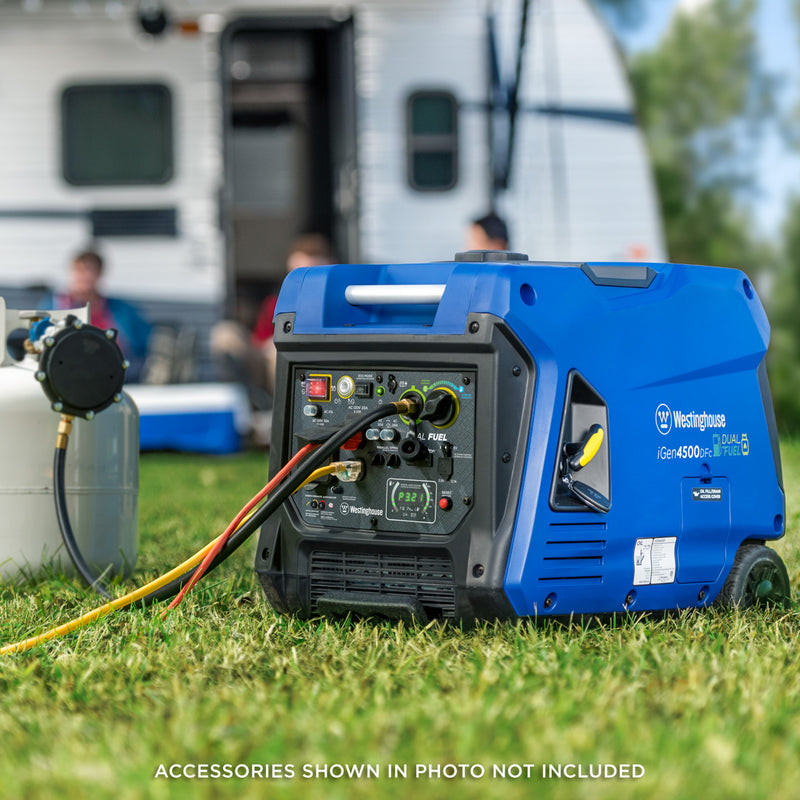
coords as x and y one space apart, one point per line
707 702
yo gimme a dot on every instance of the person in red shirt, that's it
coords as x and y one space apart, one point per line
308 250
249 357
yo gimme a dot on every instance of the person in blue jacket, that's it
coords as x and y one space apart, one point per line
106 312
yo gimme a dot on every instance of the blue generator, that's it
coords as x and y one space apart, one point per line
586 438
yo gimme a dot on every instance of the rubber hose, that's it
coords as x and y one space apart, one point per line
67 536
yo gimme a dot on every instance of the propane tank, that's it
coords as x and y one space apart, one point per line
102 471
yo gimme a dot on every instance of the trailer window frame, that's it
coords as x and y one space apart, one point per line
161 132
422 145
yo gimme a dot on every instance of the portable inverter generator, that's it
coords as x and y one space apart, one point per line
572 439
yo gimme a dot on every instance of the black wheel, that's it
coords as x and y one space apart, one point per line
758 576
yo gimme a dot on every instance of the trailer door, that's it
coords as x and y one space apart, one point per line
289 143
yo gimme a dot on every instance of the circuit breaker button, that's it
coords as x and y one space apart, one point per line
311 410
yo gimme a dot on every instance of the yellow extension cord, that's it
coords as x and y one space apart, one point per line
132 597
101 611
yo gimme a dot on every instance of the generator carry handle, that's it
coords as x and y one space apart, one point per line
390 298
407 294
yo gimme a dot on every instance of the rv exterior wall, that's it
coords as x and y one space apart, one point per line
580 186
47 52
440 46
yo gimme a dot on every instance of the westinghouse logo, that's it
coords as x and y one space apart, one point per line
663 419
700 421
346 508
666 419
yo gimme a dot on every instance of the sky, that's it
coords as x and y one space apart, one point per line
779 169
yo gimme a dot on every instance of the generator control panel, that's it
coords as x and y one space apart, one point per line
417 474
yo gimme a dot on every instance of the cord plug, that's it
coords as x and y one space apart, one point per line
348 471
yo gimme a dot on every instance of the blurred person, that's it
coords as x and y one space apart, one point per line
307 250
83 286
487 233
249 357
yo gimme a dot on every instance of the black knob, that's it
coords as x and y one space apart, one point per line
439 408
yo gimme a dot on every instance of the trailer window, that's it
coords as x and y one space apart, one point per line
115 134
432 141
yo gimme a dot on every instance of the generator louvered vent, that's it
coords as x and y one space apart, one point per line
574 560
427 579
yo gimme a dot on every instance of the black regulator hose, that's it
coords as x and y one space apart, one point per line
60 495
314 459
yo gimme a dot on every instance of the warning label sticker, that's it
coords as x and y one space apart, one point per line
707 493
654 561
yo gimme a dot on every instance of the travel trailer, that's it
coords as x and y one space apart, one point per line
193 139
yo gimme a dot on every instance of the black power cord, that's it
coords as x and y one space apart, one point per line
314 459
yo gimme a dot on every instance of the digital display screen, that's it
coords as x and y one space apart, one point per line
411 500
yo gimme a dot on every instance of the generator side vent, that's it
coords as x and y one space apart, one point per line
573 560
427 579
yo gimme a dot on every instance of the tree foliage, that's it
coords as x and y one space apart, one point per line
702 99
785 346
784 361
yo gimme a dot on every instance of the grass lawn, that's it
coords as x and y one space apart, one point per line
708 703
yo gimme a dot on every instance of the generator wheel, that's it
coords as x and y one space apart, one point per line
758 576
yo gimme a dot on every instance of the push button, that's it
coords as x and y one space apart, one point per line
344 386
